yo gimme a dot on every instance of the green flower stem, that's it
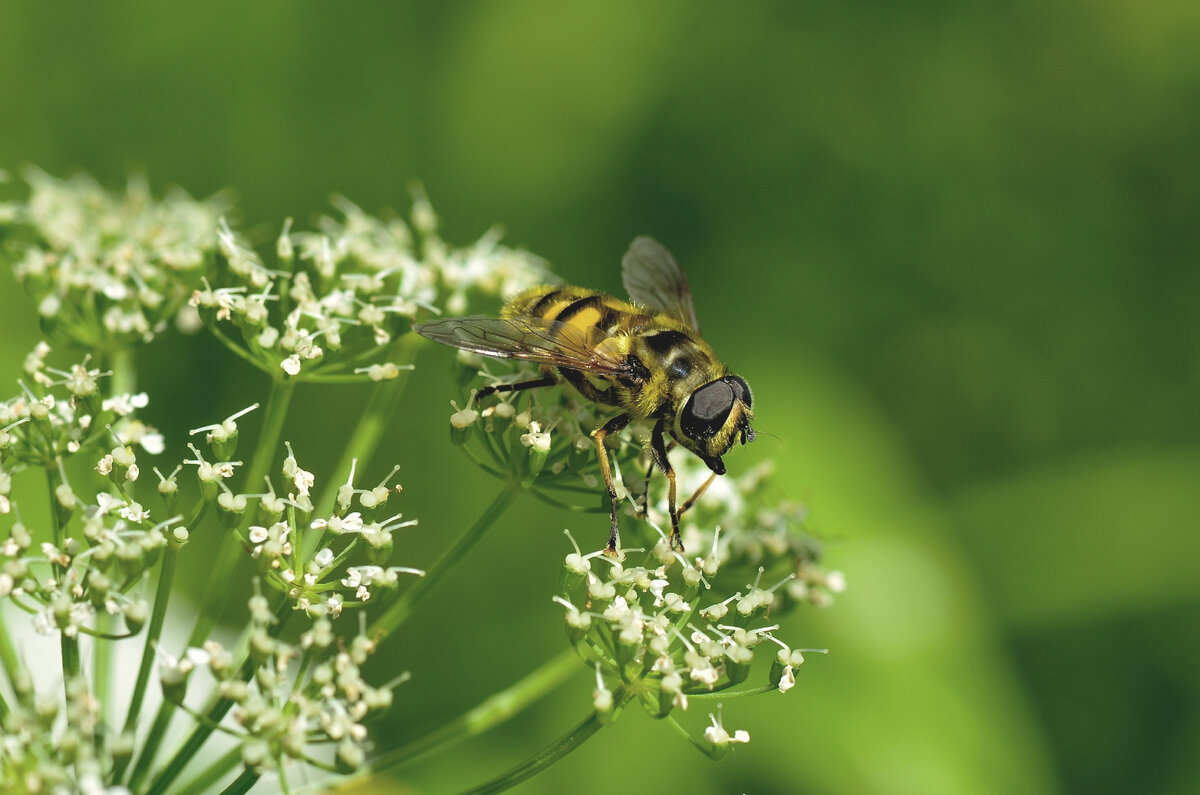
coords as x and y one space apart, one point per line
69 645
70 656
213 773
235 348
722 695
497 709
102 660
369 431
121 361
8 655
544 758
153 633
124 371
242 783
154 739
230 551
402 608
227 558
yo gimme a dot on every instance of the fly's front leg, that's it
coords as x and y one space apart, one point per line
703 488
659 450
612 426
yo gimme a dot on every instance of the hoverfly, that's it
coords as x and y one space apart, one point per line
645 357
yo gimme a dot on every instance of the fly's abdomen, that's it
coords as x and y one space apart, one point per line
577 306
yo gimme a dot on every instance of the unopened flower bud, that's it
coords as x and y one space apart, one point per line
461 422
350 755
98 585
168 489
122 746
231 508
136 613
64 502
173 677
737 666
131 558
262 646
256 754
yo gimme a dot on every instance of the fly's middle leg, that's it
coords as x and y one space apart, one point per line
659 450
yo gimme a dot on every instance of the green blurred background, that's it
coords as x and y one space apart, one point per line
953 247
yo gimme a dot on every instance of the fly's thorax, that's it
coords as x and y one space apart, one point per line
676 363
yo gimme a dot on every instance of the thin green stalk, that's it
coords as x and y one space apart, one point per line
102 647
497 709
728 694
8 661
124 371
69 645
212 774
70 656
230 550
123 381
242 783
162 595
8 654
375 418
227 558
544 758
402 608
154 739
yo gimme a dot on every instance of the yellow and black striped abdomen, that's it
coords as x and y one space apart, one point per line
578 307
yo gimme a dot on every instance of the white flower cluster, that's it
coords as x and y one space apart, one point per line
49 744
659 626
105 266
65 581
62 412
338 296
295 697
340 561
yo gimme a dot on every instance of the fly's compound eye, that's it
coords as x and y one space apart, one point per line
707 410
740 390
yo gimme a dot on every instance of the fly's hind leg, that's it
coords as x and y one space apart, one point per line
548 379
659 450
612 426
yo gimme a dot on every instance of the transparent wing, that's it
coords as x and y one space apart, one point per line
653 278
529 338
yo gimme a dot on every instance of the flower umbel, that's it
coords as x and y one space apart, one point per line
663 628
109 268
338 296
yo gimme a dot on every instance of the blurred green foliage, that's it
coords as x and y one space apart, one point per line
952 246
